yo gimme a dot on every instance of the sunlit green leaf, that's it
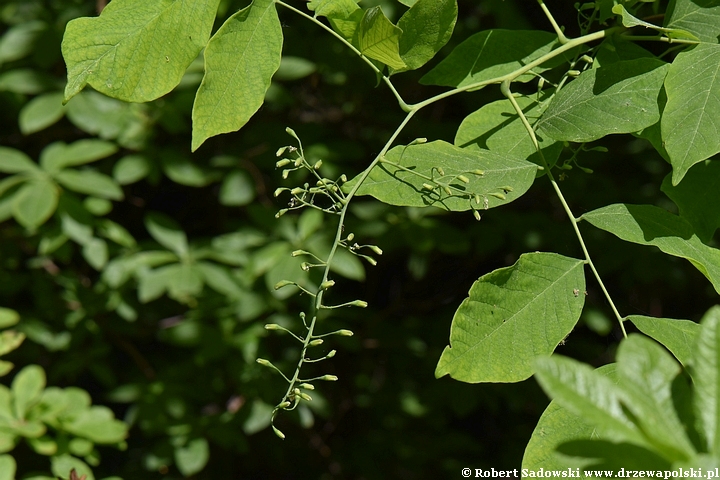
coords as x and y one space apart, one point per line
131 169
97 424
7 467
136 50
35 202
15 161
59 155
706 379
237 189
167 232
91 183
8 317
192 458
513 316
620 98
27 386
63 464
400 177
700 17
240 60
427 26
379 39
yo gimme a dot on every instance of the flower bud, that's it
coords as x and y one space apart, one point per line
278 433
272 326
297 191
427 186
316 342
358 303
263 362
331 354
317 165
305 397
477 215
351 237
282 163
478 172
307 386
283 283
345 333
279 191
327 284
329 378
284 404
375 249
281 213
280 151
463 178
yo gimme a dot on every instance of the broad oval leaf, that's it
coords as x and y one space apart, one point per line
690 127
8 317
136 50
402 177
650 225
193 457
59 155
513 316
41 112
98 424
27 386
61 466
15 161
35 202
619 98
91 183
678 336
497 127
426 27
491 54
240 60
7 467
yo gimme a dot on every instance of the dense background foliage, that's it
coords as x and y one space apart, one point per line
178 362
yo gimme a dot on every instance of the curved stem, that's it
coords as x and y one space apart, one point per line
385 78
588 260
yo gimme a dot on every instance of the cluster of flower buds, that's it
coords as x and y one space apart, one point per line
355 248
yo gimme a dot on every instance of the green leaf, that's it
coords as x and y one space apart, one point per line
91 183
185 281
259 418
614 49
35 202
426 27
650 225
630 21
698 198
497 127
10 340
589 395
619 98
167 233
59 155
557 426
27 386
15 161
690 130
678 336
41 112
116 232
98 424
294 68
700 17
136 50
130 169
491 54
7 467
240 60
61 466
97 206
153 284
27 82
19 40
646 372
398 179
379 39
218 278
237 189
78 229
96 253
705 373
8 317
344 15
181 170
193 457
513 316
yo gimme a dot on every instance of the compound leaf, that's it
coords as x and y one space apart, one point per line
619 98
426 28
650 225
491 54
400 177
240 60
690 126
513 316
136 50
678 336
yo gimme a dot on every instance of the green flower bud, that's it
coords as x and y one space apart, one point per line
574 73
345 333
375 249
447 190
316 342
478 172
331 354
285 174
317 165
427 186
358 303
477 216
283 283
305 397
343 178
280 151
282 163
297 191
263 362
272 326
284 404
307 386
328 284
351 237
279 191
497 195
278 433
329 378
463 178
